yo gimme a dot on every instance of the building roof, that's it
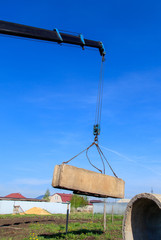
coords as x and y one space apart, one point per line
95 201
15 195
65 197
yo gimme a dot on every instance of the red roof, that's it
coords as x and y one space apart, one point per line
90 203
15 195
65 197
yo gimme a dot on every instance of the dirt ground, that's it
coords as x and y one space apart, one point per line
24 220
18 228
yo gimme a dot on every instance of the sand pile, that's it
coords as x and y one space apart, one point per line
38 211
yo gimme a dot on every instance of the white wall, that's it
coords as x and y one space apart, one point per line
6 207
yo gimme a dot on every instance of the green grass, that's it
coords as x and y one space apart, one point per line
81 230
10 216
60 216
76 230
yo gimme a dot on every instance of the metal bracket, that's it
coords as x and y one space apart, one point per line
82 40
58 34
96 130
102 50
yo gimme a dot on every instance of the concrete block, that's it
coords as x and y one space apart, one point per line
142 220
86 182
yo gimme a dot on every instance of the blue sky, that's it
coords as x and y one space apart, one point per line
48 93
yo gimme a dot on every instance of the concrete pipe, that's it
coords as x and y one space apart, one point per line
142 220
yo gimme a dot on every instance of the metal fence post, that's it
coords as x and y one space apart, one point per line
67 217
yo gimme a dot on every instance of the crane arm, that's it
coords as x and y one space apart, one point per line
20 30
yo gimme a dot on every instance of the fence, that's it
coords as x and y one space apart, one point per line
7 206
111 208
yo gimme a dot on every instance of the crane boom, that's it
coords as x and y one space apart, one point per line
14 29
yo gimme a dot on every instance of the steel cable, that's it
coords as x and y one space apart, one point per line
79 153
91 163
107 162
99 96
101 158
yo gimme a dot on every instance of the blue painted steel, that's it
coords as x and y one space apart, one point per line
96 130
58 34
82 39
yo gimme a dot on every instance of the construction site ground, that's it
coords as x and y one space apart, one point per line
81 226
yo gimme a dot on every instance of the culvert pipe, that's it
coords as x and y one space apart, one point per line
142 220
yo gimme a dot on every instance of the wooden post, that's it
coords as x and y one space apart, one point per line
67 217
104 215
112 213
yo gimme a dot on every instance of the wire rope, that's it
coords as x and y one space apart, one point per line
78 154
99 95
101 158
107 162
91 162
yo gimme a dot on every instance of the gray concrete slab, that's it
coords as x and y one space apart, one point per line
86 182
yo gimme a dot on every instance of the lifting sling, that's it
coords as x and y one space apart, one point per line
82 181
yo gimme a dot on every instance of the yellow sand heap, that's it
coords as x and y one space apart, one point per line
38 211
